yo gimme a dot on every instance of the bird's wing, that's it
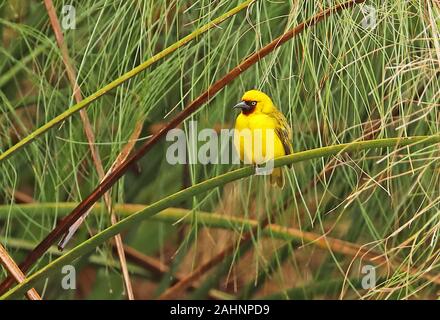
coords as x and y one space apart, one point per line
283 131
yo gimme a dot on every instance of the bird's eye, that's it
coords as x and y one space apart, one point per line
253 103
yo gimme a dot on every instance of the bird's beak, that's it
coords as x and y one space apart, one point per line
242 105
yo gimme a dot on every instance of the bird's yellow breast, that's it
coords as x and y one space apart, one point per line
255 138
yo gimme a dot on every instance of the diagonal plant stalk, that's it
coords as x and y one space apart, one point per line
107 183
218 181
128 75
71 74
7 260
15 271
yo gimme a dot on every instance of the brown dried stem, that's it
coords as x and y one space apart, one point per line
15 272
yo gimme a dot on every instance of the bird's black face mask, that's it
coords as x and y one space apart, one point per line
246 107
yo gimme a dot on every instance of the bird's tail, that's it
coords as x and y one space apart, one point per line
277 177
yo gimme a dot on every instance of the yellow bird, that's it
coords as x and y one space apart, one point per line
262 132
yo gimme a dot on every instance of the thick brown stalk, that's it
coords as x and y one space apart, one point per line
108 182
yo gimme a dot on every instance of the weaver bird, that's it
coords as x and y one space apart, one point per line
268 135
